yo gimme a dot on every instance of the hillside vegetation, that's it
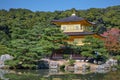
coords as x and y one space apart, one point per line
29 35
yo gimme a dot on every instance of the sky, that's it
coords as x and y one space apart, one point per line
59 5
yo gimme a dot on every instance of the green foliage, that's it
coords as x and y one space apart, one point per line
30 44
71 62
4 38
62 67
93 45
52 39
23 47
117 57
66 56
3 49
28 35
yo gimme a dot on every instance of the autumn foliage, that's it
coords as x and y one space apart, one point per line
112 40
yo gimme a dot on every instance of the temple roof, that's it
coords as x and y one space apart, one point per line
70 19
83 34
73 18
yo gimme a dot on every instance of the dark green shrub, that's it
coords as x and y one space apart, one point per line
66 56
62 67
71 62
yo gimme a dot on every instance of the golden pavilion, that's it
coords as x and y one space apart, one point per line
76 28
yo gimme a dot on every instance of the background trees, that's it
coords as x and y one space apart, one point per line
31 44
28 35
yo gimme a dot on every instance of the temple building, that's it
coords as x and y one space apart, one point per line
76 28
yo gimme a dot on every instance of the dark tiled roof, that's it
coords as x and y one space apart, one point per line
69 19
78 33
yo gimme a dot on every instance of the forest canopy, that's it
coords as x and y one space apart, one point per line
21 30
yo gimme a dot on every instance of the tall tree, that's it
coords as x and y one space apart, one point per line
52 39
24 47
93 47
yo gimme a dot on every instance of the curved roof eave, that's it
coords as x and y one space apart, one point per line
72 19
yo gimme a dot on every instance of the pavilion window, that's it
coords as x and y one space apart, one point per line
77 27
64 28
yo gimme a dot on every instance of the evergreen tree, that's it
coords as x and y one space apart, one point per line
52 39
94 47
